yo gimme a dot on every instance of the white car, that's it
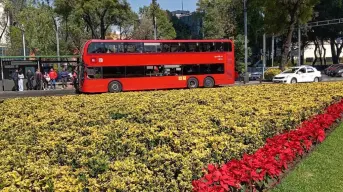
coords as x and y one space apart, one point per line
299 74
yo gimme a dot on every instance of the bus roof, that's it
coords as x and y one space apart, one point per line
159 41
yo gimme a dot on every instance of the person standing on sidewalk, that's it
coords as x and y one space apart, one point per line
21 80
38 78
75 79
46 81
64 77
30 77
53 77
15 79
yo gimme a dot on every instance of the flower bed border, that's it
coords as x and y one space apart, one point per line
265 169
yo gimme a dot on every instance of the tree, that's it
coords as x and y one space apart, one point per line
145 29
219 18
224 19
4 19
282 16
99 15
327 10
126 23
36 21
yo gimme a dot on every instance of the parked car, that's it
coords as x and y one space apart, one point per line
300 74
331 70
337 72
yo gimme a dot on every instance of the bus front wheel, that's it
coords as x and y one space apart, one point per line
192 83
209 82
114 87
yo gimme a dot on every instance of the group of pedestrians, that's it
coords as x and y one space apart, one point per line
42 82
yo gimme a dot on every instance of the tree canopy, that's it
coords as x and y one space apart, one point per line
145 29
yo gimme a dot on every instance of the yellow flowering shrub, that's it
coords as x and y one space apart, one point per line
144 141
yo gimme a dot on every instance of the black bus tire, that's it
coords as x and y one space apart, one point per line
115 87
209 82
192 83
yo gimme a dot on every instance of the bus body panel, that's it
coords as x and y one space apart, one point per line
151 83
155 59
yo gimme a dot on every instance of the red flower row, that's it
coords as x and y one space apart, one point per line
257 171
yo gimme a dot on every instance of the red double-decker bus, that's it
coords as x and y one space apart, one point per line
127 65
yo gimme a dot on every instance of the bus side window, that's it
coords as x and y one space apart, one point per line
133 47
217 68
182 47
135 71
206 47
152 47
219 47
165 47
113 72
192 47
173 70
151 71
174 47
111 47
191 69
94 73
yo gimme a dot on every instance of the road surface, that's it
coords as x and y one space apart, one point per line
12 94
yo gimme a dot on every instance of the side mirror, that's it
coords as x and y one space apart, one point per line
299 73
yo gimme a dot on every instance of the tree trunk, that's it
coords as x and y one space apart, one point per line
315 53
324 50
320 54
102 29
339 51
287 45
333 50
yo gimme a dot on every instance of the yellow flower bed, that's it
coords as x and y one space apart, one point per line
144 141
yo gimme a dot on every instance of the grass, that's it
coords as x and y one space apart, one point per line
321 171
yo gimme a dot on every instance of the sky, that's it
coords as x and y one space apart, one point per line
171 5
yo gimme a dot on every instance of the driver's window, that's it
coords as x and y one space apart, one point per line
302 70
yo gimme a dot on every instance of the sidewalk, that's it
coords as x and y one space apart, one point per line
36 93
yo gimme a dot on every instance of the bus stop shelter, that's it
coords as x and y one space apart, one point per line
44 63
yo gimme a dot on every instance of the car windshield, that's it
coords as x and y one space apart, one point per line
292 70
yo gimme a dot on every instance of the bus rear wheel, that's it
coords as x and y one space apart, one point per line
209 82
115 87
192 83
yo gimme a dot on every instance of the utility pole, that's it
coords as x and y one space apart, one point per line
155 28
154 5
264 50
24 44
273 41
246 76
299 46
57 41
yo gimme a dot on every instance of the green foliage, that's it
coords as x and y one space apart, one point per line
271 73
145 29
282 16
287 13
219 18
239 48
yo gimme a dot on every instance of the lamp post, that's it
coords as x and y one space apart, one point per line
264 49
299 45
57 38
273 40
246 76
57 43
